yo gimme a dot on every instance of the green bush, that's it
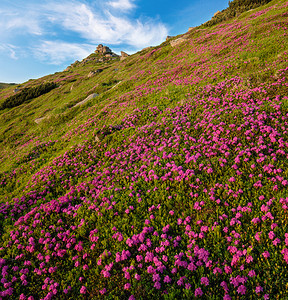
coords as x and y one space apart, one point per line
27 94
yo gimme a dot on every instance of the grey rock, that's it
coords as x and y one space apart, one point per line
38 120
90 97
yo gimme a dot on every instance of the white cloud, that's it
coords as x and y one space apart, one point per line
9 50
121 4
24 21
58 52
79 18
105 27
100 22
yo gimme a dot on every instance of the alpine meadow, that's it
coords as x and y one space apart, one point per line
157 175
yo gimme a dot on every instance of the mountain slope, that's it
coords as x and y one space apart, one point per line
4 85
168 182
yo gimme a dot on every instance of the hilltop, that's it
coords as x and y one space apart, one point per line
159 175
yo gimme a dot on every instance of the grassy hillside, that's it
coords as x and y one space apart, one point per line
5 85
169 183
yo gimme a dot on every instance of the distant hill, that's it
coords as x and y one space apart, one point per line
5 85
159 175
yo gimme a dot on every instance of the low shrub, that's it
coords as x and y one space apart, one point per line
27 94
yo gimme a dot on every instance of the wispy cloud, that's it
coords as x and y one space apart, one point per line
105 27
58 52
122 4
52 23
20 22
9 50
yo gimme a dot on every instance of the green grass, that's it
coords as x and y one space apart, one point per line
5 85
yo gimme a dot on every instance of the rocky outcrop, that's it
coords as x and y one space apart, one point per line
75 63
124 55
168 37
69 68
101 54
86 60
103 50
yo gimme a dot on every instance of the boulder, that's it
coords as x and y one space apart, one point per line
38 120
92 73
92 96
168 37
124 55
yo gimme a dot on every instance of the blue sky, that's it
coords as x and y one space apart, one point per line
42 37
